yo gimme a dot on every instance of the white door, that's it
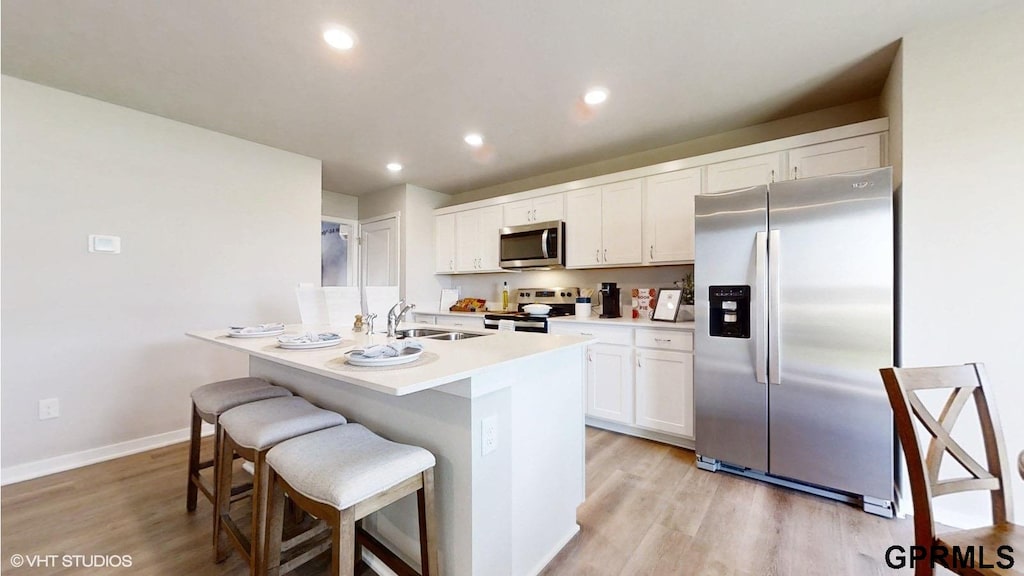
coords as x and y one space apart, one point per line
517 213
380 251
668 220
860 153
622 222
489 238
467 251
548 208
745 172
444 244
610 382
664 391
583 228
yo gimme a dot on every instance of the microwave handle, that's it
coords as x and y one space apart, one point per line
544 243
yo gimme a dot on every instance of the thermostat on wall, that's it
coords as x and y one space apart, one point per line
104 244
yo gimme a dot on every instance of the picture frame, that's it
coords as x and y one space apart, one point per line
667 305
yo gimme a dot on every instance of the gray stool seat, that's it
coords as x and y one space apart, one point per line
216 398
260 425
345 465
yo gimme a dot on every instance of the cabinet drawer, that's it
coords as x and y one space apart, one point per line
468 322
424 318
605 334
666 339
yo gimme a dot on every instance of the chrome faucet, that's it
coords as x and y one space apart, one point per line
369 323
395 319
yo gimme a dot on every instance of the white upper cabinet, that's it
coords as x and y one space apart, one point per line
745 172
476 240
543 209
444 244
668 216
860 153
583 227
603 225
622 222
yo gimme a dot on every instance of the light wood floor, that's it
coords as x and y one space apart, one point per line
648 511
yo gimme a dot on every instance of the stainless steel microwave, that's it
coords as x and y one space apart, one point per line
537 245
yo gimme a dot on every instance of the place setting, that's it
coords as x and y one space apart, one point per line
309 340
391 354
256 331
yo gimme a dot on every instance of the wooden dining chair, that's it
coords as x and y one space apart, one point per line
966 382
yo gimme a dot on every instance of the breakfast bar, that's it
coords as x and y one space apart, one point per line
501 412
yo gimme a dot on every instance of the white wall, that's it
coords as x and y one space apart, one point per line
339 205
215 230
963 201
420 285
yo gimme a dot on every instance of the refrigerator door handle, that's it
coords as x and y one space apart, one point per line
761 310
774 252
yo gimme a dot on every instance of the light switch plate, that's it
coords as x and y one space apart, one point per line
104 244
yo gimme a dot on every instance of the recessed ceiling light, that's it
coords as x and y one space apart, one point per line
595 96
394 167
340 38
474 140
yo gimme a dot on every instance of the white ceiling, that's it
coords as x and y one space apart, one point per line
425 73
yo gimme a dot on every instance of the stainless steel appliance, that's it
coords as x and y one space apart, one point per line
538 245
610 306
561 300
794 317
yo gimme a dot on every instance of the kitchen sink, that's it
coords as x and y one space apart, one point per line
455 336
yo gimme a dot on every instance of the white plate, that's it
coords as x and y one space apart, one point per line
234 334
309 345
407 355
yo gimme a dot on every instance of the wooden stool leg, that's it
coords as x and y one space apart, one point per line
222 495
343 544
260 489
358 555
428 524
193 460
271 557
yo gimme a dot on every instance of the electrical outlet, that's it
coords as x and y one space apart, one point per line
489 435
49 408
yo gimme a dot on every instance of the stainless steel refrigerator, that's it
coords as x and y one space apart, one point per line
794 299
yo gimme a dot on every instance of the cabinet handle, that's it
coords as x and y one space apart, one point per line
597 255
662 339
794 173
638 363
605 254
590 356
773 175
451 263
586 334
652 252
533 215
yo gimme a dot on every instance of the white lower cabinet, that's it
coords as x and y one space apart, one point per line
664 391
610 382
639 378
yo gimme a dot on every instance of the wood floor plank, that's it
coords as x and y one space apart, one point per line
649 511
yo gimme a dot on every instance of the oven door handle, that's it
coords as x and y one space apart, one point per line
544 243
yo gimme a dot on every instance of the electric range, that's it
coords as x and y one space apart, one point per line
561 300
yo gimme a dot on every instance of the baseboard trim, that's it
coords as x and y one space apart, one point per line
47 466
641 433
554 551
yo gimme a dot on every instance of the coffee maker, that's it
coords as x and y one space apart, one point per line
609 300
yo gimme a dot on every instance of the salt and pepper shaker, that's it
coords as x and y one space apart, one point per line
358 325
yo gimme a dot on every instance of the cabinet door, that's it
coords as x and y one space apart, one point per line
583 228
489 238
622 222
668 215
517 213
664 391
610 382
444 244
467 249
836 157
744 172
548 208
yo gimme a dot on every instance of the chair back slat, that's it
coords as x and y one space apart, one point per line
967 381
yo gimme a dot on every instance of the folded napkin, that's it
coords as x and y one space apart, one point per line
258 329
390 350
308 338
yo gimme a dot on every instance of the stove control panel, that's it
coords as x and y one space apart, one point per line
548 295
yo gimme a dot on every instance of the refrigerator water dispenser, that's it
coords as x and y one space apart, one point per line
729 311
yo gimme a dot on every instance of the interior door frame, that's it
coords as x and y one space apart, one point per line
354 243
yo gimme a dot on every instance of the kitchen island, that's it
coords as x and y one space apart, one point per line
506 506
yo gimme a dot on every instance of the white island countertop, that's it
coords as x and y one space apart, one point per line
451 360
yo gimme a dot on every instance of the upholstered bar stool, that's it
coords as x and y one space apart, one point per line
341 475
208 403
250 430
